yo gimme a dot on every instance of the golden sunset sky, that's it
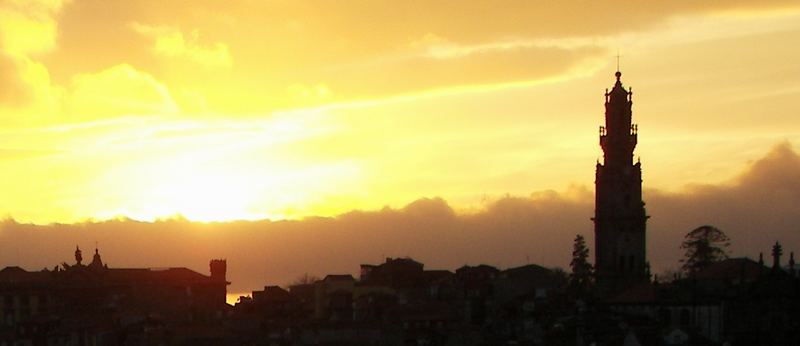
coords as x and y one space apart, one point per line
223 110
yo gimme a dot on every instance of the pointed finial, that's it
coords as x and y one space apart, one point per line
78 256
618 56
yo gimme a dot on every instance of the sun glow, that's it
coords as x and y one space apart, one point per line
211 195
202 170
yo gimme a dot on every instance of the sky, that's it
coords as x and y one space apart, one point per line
291 110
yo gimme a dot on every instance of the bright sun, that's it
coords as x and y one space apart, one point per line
205 195
210 196
232 187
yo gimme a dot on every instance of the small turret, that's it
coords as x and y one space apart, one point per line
791 263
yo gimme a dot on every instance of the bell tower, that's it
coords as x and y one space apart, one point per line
620 218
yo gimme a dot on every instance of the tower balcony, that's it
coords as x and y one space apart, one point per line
633 136
603 135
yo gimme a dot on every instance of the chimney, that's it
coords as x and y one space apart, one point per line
218 268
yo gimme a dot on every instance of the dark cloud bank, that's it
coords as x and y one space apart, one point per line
757 208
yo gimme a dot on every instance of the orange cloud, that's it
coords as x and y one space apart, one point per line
286 50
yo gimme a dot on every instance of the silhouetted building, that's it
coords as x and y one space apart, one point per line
736 301
334 297
395 272
406 279
95 305
620 219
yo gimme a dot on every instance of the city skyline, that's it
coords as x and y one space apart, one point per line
377 172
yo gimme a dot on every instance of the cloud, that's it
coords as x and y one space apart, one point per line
118 90
28 27
451 68
304 93
29 40
365 50
13 90
17 154
172 43
759 207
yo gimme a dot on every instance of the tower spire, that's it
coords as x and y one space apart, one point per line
620 218
97 262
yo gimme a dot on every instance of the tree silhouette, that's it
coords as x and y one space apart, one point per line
704 245
305 279
581 276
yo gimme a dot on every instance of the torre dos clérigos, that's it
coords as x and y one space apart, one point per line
620 218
